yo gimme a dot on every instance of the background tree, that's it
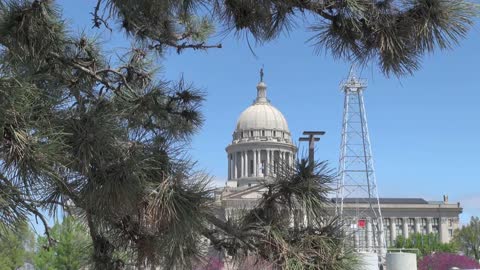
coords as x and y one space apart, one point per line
468 238
16 247
104 134
425 243
72 249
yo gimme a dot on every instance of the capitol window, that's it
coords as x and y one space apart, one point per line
263 133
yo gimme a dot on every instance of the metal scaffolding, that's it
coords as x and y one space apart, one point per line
357 185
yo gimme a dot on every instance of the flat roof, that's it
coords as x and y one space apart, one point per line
385 200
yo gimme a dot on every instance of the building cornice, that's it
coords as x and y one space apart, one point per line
260 145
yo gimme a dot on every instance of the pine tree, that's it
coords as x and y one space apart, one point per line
71 251
105 136
16 247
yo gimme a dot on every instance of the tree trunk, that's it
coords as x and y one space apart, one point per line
102 249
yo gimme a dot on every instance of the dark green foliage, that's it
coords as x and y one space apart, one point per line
83 136
425 243
468 238
393 34
16 247
267 229
72 248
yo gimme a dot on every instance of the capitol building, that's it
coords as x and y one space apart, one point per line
262 141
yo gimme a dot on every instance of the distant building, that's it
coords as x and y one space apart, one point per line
404 216
262 140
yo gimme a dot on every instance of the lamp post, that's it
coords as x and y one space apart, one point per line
311 139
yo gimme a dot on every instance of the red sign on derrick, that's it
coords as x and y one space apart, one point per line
362 223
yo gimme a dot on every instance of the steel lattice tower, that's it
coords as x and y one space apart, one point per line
357 184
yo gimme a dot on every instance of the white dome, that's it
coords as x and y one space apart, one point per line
262 116
261 121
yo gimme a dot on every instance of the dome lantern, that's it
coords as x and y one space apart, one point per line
261 93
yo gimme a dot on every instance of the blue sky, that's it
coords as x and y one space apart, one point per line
424 128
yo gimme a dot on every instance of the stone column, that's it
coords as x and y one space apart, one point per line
443 230
245 172
272 160
429 225
405 227
235 166
254 163
393 230
242 164
267 164
229 166
275 164
259 161
382 235
232 164
369 235
417 225
245 164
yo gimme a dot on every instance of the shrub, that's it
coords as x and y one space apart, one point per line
445 261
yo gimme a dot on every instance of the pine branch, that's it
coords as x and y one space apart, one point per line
318 7
95 74
97 19
37 213
185 45
16 197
